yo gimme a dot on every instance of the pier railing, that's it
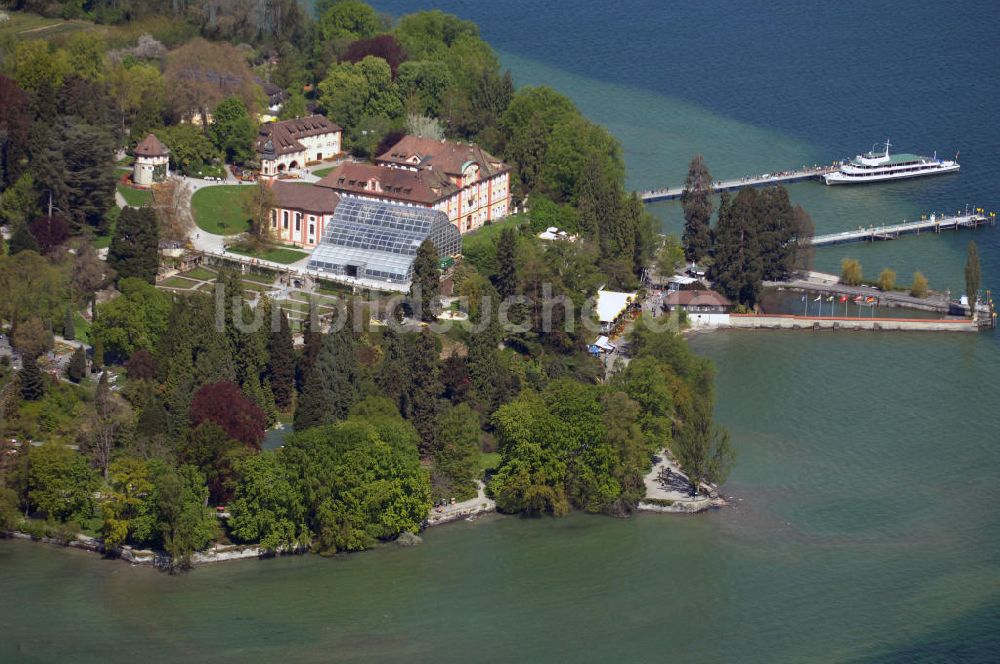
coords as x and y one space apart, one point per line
760 180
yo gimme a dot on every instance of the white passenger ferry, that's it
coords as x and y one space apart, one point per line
879 167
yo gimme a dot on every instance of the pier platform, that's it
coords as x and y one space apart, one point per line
762 180
933 224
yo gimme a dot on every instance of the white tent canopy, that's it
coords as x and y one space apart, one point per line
611 304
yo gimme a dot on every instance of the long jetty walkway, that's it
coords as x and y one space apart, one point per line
934 224
762 180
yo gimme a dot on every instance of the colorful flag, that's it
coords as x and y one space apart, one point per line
818 298
843 298
869 299
829 299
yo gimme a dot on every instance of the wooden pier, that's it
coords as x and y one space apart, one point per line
763 180
934 224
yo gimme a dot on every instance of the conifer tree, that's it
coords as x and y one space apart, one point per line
507 260
21 239
97 362
426 282
32 380
313 339
69 327
425 387
77 367
586 205
622 234
775 221
134 250
737 270
394 372
332 385
281 364
697 203
483 363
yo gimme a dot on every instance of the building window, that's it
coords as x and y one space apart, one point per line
298 222
274 218
284 219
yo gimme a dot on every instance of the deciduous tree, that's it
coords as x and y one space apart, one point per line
850 272
887 280
224 404
232 130
60 483
267 508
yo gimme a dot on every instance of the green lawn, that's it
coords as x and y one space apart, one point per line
259 278
178 282
136 197
488 460
25 26
81 328
201 274
219 210
485 235
277 255
323 172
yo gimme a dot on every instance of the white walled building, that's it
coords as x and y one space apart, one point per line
463 181
291 144
301 212
152 162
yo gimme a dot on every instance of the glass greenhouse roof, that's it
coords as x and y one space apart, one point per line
376 240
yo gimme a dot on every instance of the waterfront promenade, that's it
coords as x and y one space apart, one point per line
790 322
761 180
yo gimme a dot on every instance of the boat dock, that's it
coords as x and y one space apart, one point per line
934 224
763 180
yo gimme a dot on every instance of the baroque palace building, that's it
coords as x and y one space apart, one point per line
467 184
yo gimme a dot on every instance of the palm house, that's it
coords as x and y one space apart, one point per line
376 241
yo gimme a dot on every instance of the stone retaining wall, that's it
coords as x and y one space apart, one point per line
751 321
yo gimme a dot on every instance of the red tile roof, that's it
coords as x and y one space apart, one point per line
423 187
285 135
697 298
151 147
304 197
447 156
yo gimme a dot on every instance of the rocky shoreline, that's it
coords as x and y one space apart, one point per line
215 554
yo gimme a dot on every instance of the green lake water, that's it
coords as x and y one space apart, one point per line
865 525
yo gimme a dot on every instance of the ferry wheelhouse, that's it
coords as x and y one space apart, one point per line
879 167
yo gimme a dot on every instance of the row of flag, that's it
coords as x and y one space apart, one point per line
858 299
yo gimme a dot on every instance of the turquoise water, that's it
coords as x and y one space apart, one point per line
865 526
